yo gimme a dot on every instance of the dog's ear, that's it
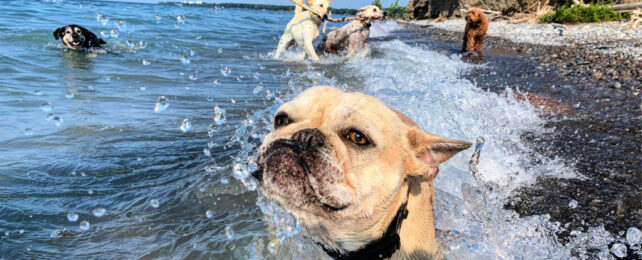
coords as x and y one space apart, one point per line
58 32
428 151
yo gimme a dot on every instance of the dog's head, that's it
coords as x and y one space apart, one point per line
76 37
474 15
371 12
335 157
321 6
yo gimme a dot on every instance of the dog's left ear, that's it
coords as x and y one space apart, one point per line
428 151
58 33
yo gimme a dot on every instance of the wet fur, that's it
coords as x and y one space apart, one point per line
67 34
303 30
475 31
352 37
367 183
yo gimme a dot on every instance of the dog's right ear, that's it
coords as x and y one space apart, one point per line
58 33
428 151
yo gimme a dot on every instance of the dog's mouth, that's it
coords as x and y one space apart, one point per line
301 177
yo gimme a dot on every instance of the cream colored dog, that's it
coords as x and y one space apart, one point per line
352 38
303 29
356 174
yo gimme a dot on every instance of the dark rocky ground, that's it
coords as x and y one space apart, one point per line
592 101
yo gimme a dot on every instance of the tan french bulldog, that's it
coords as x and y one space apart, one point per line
355 173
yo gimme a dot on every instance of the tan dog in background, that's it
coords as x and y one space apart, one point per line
475 32
352 37
304 29
356 174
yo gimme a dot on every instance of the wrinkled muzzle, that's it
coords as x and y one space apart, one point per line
302 172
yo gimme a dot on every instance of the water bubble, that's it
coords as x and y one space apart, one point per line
98 212
233 101
207 152
22 231
220 50
619 250
142 45
50 116
70 94
198 37
158 18
209 213
142 88
573 204
211 130
272 245
57 121
37 92
145 62
120 25
161 104
103 20
239 172
192 52
215 82
72 217
84 225
90 192
46 107
257 89
193 76
225 71
180 19
6 233
104 34
257 75
129 44
219 115
113 34
28 131
186 125
154 203
229 233
225 181
184 60
633 236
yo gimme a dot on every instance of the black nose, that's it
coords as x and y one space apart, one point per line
309 136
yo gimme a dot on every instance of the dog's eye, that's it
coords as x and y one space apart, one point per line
357 138
281 120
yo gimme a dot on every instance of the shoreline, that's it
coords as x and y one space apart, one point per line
590 98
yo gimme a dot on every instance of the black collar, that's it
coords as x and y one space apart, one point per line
383 248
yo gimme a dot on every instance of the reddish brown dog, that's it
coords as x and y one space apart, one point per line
475 32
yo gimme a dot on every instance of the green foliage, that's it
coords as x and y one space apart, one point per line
593 13
395 11
377 3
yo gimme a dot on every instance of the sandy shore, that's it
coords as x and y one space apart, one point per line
611 38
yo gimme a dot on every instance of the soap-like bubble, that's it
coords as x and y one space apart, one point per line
154 203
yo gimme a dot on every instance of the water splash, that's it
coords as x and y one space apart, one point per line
161 104
186 125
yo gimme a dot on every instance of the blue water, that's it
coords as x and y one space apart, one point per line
169 193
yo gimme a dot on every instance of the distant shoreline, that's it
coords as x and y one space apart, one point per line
289 8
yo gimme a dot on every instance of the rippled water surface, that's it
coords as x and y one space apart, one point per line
141 150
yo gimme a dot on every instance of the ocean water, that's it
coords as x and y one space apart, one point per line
142 150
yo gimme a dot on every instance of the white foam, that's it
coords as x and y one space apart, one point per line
384 28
